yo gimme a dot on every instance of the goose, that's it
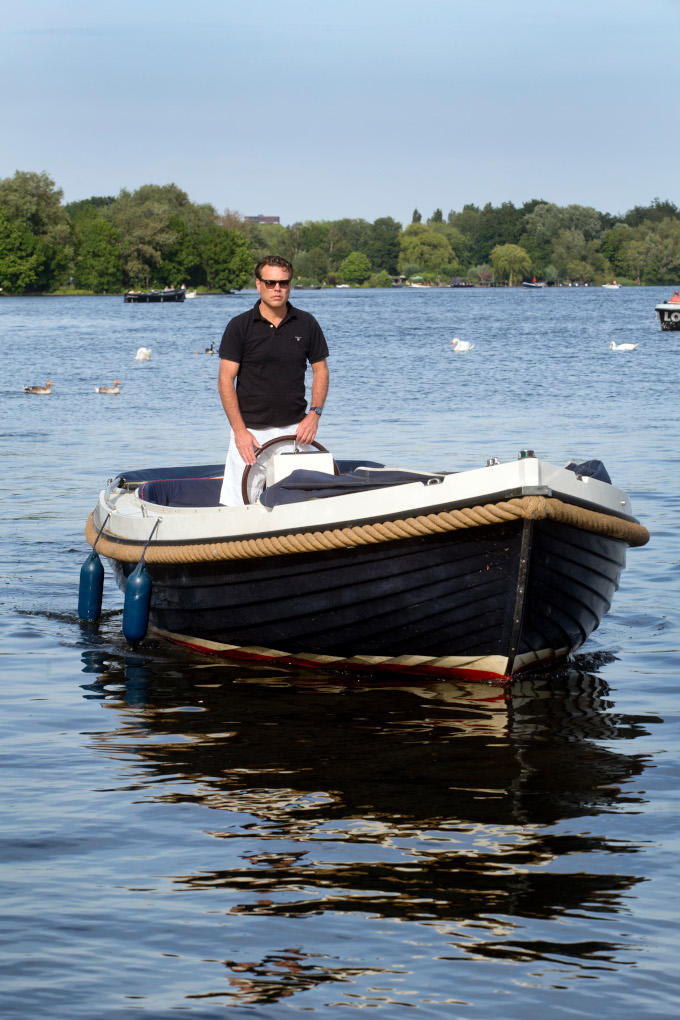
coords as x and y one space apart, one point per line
46 389
115 389
211 349
460 346
143 354
622 347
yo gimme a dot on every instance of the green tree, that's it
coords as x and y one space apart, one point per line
381 279
21 257
226 258
312 265
151 222
98 259
416 217
32 199
356 268
383 244
426 248
652 253
510 262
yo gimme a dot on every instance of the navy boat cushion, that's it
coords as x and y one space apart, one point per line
591 469
182 491
303 485
199 485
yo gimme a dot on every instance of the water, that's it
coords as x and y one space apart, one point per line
184 836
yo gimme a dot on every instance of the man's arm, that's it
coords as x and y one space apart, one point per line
246 444
306 430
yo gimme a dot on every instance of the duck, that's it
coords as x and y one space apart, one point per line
143 353
115 389
460 346
46 389
622 347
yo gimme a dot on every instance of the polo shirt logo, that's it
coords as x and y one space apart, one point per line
298 338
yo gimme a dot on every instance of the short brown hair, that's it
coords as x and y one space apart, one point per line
273 260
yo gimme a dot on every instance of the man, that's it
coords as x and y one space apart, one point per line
263 359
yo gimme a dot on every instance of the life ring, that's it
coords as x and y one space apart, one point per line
252 482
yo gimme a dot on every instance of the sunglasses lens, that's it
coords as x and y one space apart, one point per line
270 284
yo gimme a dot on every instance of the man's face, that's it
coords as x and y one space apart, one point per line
273 296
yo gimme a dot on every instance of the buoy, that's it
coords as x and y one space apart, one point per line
137 602
91 588
91 583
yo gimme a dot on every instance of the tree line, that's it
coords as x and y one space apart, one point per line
156 237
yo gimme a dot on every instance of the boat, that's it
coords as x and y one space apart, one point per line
669 314
611 286
154 296
533 284
481 573
189 294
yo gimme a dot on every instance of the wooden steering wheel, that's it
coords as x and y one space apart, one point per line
253 480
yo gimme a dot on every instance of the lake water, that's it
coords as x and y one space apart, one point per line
181 836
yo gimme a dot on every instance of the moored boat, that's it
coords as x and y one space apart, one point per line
154 296
481 573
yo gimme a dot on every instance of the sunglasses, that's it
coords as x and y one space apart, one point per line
270 284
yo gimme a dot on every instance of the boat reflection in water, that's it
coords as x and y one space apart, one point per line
441 805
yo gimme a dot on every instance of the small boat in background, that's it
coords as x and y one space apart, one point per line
170 294
533 284
669 313
350 566
611 286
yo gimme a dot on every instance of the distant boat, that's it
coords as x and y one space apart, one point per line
154 296
342 286
611 286
533 284
669 313
189 294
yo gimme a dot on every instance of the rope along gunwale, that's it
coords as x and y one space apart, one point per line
535 508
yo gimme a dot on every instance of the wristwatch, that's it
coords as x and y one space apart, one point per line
317 410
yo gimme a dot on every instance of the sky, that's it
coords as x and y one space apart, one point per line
321 109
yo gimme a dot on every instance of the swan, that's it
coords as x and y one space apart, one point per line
115 389
143 354
460 346
46 389
622 347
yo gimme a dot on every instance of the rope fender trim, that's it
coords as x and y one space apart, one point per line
534 508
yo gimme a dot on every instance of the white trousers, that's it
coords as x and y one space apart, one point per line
231 494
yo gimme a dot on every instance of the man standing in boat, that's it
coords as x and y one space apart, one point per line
263 360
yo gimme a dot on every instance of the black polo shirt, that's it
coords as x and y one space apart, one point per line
270 385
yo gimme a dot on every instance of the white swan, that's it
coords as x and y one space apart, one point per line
460 346
622 347
115 389
46 389
143 354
